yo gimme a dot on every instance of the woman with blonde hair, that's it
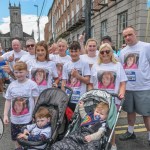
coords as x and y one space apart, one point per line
107 63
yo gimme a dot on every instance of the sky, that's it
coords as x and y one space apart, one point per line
28 15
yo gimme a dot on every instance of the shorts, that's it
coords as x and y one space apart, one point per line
16 129
137 101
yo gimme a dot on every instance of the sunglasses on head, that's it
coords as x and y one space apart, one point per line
31 45
106 51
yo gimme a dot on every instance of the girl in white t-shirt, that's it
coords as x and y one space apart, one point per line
41 69
108 74
21 97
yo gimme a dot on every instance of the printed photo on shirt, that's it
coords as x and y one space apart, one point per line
106 79
40 76
20 106
59 67
73 81
131 61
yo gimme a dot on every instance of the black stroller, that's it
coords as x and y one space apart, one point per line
56 101
73 141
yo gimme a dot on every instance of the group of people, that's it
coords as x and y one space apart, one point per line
83 69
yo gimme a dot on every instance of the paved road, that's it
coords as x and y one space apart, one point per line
140 143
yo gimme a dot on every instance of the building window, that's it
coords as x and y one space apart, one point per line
103 28
122 23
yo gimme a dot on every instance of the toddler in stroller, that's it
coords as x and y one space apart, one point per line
39 131
56 101
90 133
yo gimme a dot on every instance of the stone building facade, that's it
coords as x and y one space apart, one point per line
16 29
108 17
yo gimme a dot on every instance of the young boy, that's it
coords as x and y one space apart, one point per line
76 69
25 89
39 131
99 116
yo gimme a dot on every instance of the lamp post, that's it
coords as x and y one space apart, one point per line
38 23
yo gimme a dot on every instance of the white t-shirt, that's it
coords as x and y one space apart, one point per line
60 61
89 60
136 62
27 57
22 96
108 77
42 73
77 86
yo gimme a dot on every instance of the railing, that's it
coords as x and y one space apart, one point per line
78 19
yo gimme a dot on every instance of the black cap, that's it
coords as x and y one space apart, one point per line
106 38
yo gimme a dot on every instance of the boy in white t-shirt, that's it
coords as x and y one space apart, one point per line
76 74
21 97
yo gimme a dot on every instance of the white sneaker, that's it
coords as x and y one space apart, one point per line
113 147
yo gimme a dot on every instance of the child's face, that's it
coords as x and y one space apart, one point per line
101 113
18 107
39 77
42 121
73 80
20 74
106 80
130 61
75 55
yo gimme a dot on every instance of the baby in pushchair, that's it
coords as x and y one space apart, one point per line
55 101
94 116
39 131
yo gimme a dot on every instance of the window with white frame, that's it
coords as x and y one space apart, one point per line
122 23
103 28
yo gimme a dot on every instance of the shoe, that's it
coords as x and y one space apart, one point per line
127 136
113 147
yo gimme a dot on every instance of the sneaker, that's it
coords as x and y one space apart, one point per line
113 147
127 136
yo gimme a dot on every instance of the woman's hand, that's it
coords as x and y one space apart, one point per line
121 96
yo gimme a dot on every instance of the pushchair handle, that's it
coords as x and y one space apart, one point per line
70 91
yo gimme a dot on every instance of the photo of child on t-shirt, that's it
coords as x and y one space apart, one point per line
106 80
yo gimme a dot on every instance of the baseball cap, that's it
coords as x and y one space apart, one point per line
106 38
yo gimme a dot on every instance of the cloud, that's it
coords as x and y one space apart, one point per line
29 23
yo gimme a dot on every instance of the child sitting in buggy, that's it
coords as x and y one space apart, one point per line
98 117
39 131
89 131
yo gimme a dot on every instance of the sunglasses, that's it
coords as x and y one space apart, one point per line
106 51
31 45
